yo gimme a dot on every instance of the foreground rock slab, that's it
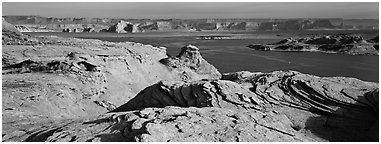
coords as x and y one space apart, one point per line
277 106
171 124
335 108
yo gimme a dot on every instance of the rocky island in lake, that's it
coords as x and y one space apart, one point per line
343 44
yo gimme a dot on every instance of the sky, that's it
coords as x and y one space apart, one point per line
190 10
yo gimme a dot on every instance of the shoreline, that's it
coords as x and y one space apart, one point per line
220 47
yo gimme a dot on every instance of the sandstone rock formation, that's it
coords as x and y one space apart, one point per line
65 78
124 27
190 66
65 89
173 124
291 103
277 106
343 44
222 94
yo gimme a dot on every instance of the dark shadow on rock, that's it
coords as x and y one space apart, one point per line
348 124
203 93
338 109
121 130
42 135
114 137
155 96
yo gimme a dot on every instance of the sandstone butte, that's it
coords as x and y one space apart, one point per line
65 89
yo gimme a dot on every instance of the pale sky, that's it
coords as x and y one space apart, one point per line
185 10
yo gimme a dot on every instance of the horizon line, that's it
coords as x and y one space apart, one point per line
197 18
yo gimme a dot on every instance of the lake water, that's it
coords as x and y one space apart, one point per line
231 55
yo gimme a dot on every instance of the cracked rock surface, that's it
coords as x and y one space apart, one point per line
180 124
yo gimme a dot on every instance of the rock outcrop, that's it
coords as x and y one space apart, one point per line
343 44
190 66
222 94
298 102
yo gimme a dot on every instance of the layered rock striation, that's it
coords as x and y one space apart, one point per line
277 106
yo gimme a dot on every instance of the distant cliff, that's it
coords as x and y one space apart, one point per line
38 23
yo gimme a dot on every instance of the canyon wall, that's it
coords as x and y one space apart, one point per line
44 24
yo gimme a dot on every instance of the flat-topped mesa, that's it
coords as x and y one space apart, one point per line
124 27
190 65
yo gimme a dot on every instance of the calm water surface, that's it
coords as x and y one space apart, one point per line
233 55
